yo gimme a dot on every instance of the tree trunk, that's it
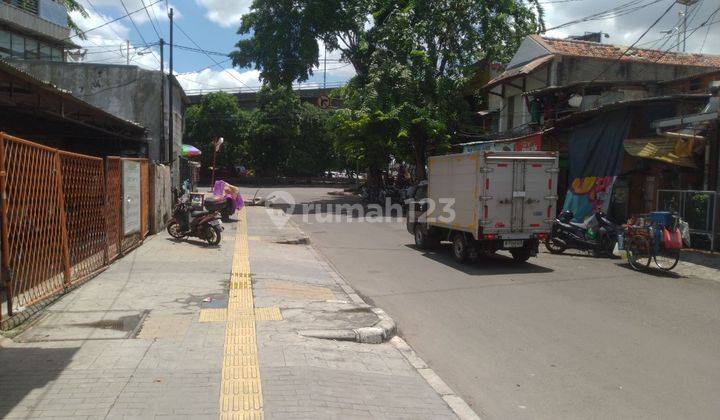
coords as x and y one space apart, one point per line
420 158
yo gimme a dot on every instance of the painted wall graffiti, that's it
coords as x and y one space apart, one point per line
589 195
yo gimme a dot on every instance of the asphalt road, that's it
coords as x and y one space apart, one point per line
560 337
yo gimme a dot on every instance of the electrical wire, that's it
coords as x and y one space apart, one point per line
111 21
634 43
210 56
150 19
621 10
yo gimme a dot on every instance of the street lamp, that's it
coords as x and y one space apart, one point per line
216 148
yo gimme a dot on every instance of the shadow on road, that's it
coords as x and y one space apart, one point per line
196 242
655 272
485 266
27 370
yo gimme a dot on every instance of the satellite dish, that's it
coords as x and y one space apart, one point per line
575 101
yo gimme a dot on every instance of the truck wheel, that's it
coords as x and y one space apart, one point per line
423 240
520 255
460 248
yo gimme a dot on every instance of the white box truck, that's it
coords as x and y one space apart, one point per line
484 202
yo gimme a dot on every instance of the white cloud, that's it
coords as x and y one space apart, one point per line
213 80
626 29
157 11
226 13
108 45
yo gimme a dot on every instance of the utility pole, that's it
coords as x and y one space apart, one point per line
682 31
171 128
127 43
325 69
162 101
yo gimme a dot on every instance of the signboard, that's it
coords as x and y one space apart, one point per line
131 196
324 102
530 143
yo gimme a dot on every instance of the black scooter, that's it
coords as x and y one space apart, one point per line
596 234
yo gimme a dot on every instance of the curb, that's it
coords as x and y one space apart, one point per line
455 402
386 330
382 331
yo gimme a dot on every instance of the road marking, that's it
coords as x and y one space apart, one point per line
240 389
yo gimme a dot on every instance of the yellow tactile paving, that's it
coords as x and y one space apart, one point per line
213 315
241 390
221 315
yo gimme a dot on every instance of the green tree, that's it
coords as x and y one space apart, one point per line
275 124
75 6
218 115
412 58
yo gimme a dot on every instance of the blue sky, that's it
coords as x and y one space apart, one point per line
213 25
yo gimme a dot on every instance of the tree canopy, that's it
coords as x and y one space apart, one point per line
412 58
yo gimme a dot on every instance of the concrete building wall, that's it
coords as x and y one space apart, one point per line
527 51
30 23
128 92
572 69
568 70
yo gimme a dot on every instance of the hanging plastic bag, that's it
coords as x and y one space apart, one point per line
672 239
685 231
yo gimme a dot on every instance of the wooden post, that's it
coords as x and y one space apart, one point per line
5 235
63 220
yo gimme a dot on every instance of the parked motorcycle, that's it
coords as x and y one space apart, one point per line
596 234
185 223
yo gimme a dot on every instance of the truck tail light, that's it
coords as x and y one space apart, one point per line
537 165
487 184
549 211
486 211
535 225
489 237
541 236
550 184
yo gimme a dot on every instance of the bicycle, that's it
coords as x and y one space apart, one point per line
647 242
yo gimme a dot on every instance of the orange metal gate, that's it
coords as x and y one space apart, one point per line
113 188
61 219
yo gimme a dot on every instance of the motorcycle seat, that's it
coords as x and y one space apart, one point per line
199 213
578 225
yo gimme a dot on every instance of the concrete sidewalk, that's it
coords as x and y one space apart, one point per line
152 337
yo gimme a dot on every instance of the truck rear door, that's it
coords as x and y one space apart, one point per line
518 193
540 199
497 200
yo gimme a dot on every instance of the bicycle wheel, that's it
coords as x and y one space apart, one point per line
667 259
639 252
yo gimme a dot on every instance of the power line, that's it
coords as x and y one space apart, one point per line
210 56
149 18
136 27
621 10
112 21
98 13
635 43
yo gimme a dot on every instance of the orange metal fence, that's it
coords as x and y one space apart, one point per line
113 189
61 219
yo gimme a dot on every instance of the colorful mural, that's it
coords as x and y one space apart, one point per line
590 194
595 155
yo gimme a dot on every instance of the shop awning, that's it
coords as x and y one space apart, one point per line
518 71
674 151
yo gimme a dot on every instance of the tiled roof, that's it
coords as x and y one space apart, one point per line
575 48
